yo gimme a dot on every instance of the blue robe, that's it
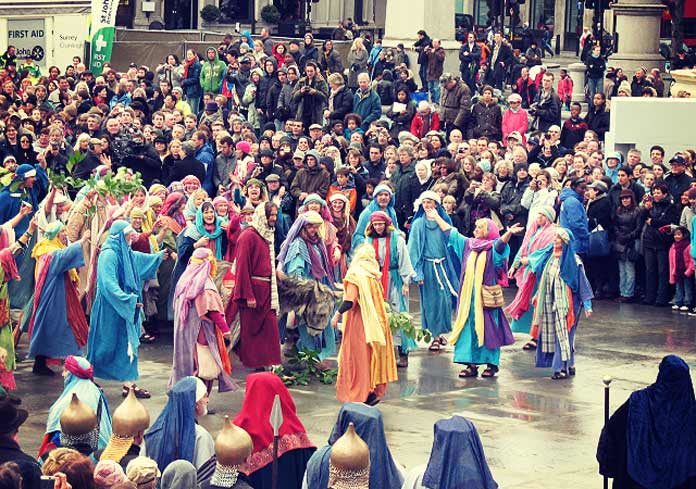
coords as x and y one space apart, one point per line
88 393
467 349
114 333
297 264
11 201
364 220
52 336
437 317
573 274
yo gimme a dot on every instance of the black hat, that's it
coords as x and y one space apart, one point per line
160 139
677 160
46 106
211 107
132 65
31 99
246 59
266 152
11 418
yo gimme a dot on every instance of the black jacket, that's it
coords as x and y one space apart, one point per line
599 213
677 184
144 159
511 210
627 226
661 214
181 168
401 122
469 58
598 120
594 67
547 111
615 193
486 120
28 466
85 167
342 104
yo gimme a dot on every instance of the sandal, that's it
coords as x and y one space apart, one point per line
372 399
490 372
402 362
469 371
442 340
435 345
147 338
530 345
141 393
559 375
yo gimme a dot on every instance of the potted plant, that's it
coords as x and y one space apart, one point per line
210 13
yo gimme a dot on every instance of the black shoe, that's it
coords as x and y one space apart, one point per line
372 399
40 368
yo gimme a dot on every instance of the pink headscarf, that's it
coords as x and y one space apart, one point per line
108 473
79 366
192 281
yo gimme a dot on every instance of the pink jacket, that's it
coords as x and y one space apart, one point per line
515 121
565 88
673 264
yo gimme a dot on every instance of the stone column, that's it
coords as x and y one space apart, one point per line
638 28
405 18
576 71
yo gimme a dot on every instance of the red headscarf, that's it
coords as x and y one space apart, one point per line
7 262
254 417
379 216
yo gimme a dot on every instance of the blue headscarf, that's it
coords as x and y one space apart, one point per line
364 218
173 435
128 276
370 427
197 230
569 265
457 458
88 392
661 428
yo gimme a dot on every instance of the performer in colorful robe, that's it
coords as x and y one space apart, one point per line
366 360
395 262
78 379
384 201
562 294
480 329
200 327
294 446
114 334
9 272
436 274
255 295
58 326
345 227
540 234
304 255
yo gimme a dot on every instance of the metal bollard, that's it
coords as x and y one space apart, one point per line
607 382
558 44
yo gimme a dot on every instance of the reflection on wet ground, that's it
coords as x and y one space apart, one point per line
537 433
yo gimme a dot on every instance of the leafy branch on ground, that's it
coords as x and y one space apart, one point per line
303 367
404 321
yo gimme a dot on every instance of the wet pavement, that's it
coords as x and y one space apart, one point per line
536 432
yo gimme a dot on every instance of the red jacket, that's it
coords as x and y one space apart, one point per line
565 88
515 121
419 128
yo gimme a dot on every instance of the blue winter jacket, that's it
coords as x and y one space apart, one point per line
574 218
369 107
206 156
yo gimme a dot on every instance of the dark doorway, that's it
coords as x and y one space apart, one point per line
572 25
358 12
180 14
237 10
125 13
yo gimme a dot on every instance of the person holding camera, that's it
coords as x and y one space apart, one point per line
546 108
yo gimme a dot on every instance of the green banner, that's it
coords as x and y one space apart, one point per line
103 32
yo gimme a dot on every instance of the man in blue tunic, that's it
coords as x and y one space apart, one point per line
304 255
29 186
114 333
384 201
436 271
58 326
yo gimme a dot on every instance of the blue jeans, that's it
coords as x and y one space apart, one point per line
434 89
594 85
684 291
627 278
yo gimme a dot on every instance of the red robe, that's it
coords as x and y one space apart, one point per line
259 341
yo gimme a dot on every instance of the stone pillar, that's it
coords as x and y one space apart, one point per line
576 71
404 18
638 28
